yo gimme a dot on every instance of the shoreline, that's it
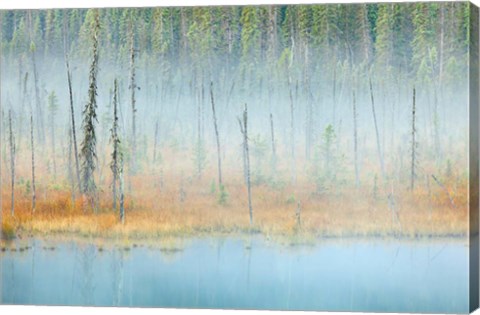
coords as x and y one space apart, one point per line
299 239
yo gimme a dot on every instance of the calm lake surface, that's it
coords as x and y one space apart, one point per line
234 273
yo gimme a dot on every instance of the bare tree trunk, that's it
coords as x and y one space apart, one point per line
52 139
122 198
32 147
292 126
412 166
244 153
155 142
334 96
133 164
274 149
74 134
244 131
216 135
200 149
115 141
298 215
70 166
439 183
379 150
355 142
40 127
12 161
442 42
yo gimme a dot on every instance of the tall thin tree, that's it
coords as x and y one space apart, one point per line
32 148
133 87
117 156
72 111
244 131
215 125
12 161
40 125
414 146
274 149
52 108
355 140
88 146
377 135
70 164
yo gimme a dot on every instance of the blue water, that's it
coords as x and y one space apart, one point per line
386 276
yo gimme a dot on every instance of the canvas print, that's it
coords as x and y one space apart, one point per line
319 157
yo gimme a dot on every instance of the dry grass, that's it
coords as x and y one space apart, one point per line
155 208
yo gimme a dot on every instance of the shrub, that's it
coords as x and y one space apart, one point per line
8 231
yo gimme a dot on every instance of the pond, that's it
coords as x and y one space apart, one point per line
240 273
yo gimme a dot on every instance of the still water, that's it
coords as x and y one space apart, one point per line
386 276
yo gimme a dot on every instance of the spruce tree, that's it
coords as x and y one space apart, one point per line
88 146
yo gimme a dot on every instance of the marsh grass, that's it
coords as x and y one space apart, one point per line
164 204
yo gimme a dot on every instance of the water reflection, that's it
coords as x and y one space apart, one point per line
244 274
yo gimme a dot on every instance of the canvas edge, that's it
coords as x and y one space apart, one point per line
473 159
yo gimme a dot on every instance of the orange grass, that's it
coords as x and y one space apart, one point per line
154 212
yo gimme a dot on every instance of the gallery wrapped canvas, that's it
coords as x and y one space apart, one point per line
285 157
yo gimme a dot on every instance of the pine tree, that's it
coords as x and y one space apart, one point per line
88 146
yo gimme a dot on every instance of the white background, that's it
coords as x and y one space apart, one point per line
40 4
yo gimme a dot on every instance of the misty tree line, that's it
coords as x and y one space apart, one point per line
322 82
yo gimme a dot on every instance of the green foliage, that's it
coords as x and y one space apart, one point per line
213 187
222 195
88 146
200 157
329 139
28 187
291 199
326 161
448 169
258 148
403 37
8 231
52 102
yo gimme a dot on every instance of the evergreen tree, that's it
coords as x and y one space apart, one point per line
88 146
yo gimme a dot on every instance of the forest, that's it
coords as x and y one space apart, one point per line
337 120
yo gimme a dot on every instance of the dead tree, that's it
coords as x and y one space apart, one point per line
292 122
70 166
334 92
215 125
32 147
52 107
12 161
72 111
298 215
244 131
439 183
244 152
414 146
133 87
379 149
122 195
355 141
117 156
274 149
155 139
40 127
